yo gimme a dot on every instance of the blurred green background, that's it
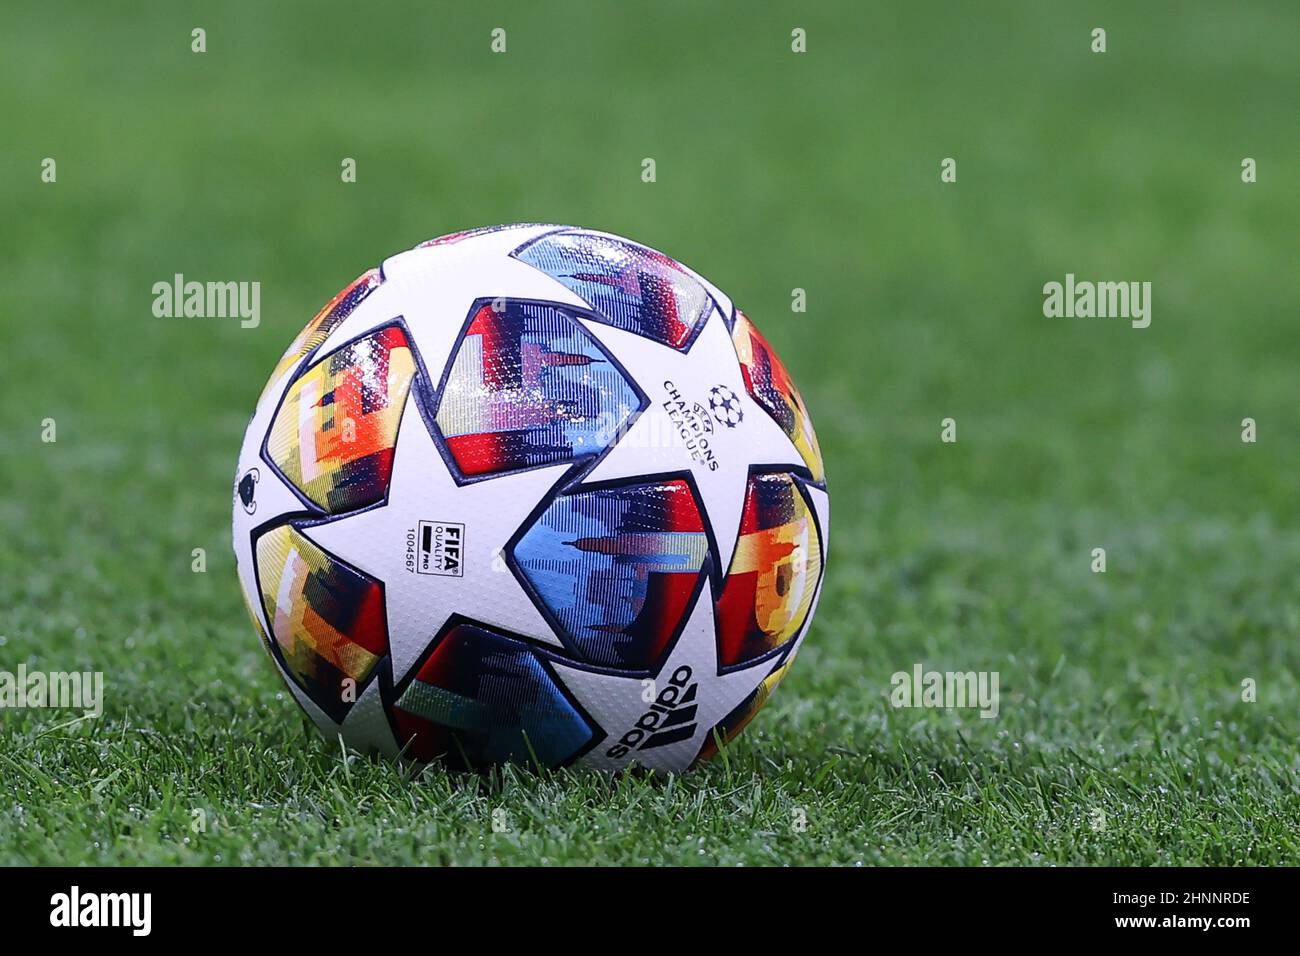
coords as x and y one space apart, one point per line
1121 692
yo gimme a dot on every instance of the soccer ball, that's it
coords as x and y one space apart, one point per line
531 493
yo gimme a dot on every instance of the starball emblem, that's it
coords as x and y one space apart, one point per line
725 406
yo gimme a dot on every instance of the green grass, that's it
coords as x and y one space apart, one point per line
1121 692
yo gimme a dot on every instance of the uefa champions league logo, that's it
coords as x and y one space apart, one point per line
725 406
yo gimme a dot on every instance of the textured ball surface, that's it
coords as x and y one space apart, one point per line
531 493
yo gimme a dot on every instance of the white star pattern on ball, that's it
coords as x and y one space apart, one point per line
620 561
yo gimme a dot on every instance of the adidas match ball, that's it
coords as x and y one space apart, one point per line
531 493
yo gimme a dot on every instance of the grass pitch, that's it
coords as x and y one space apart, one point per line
1122 735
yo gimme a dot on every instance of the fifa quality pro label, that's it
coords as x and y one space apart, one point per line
440 548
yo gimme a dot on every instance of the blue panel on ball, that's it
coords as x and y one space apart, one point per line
630 286
483 698
617 568
527 387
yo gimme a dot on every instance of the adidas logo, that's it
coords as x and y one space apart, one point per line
670 718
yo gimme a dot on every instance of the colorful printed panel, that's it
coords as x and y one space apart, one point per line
327 619
481 698
774 571
731 725
454 237
630 287
529 387
617 568
333 437
327 320
770 385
